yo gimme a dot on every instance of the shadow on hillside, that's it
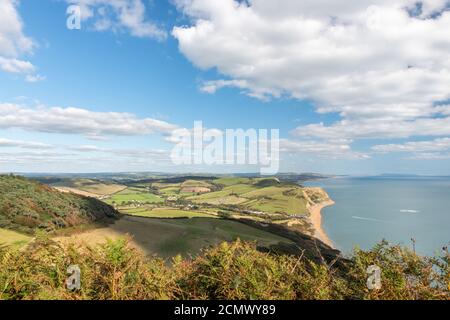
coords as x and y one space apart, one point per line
168 237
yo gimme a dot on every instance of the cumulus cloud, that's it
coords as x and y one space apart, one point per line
91 124
119 15
13 42
381 65
12 39
15 66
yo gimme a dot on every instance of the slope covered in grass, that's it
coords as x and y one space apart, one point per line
168 237
96 187
265 195
26 205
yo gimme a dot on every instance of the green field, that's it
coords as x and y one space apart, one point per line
228 181
195 183
133 194
279 204
220 196
168 191
182 189
165 213
266 195
12 238
271 199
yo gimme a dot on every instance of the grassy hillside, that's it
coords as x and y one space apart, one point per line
207 200
95 187
168 237
27 205
268 198
264 195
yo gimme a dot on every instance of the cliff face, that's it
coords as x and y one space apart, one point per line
315 195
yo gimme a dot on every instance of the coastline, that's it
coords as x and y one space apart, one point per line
316 220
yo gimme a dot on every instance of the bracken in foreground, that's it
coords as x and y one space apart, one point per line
228 271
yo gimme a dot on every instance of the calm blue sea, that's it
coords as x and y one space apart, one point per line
394 208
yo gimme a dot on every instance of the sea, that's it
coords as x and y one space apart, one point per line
410 210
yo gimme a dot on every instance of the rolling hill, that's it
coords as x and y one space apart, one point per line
27 205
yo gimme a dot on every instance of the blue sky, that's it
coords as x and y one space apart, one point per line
354 110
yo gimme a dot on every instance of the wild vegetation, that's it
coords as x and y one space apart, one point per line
14 238
227 271
26 205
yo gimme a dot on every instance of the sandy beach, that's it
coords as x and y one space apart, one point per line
316 220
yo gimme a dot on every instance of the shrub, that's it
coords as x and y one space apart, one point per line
228 271
235 271
404 274
110 271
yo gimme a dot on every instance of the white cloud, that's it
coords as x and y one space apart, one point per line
337 149
24 144
442 144
13 42
34 78
213 86
380 64
79 121
430 156
436 149
16 66
131 153
377 128
119 15
143 154
29 158
86 148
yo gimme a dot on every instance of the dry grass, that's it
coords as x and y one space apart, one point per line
9 237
